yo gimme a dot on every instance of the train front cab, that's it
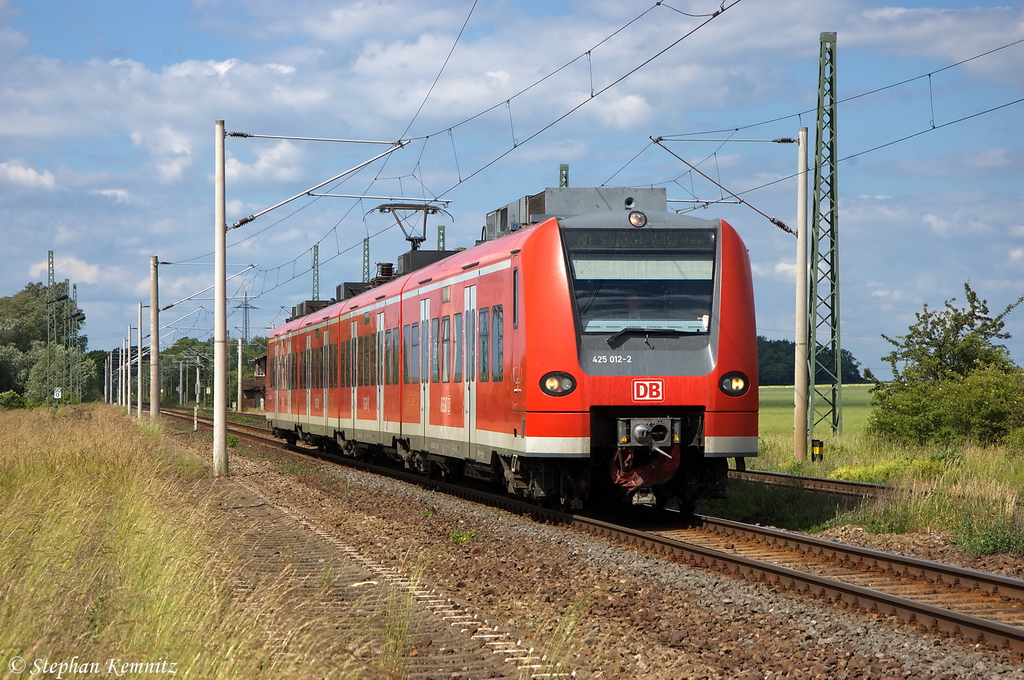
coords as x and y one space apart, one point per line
648 357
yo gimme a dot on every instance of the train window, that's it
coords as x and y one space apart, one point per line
319 367
374 343
435 372
346 363
414 355
394 355
446 349
332 366
303 368
387 356
515 298
497 344
470 345
660 281
363 356
405 353
485 346
355 362
457 377
367 364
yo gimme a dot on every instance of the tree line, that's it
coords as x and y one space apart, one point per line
24 357
951 380
776 364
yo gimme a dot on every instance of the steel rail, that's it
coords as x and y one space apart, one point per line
866 558
833 486
928 617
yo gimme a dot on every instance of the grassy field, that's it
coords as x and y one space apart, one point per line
971 491
111 552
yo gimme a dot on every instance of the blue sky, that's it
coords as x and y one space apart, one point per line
107 114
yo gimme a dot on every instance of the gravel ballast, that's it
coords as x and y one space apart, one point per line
609 611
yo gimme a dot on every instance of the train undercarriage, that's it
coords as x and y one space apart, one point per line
643 458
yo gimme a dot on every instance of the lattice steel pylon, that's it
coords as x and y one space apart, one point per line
75 354
366 260
825 356
316 272
52 328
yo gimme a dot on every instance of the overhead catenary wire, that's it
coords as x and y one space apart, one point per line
516 143
854 96
893 142
778 223
583 103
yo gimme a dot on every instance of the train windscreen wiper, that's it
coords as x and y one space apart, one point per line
649 331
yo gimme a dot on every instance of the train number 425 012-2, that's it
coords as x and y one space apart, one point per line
612 359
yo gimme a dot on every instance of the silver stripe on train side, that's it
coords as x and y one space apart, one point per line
458 278
411 294
726 447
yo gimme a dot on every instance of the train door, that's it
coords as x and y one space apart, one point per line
307 373
469 381
354 377
325 367
425 341
379 370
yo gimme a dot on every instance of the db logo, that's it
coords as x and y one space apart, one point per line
648 390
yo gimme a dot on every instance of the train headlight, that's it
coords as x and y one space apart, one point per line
735 384
557 384
638 219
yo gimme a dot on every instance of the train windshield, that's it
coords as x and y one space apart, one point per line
659 281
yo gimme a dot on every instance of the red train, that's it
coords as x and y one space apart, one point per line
590 342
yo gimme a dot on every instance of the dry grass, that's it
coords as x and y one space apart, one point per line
104 557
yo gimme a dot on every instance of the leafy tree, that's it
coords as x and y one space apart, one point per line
191 350
23 328
37 388
950 380
23 317
952 342
14 369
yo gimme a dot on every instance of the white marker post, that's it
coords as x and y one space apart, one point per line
154 341
220 317
800 377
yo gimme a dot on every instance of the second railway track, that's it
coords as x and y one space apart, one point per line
982 608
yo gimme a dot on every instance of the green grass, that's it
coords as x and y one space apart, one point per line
969 490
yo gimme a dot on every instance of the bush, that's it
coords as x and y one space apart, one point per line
1015 443
984 407
11 400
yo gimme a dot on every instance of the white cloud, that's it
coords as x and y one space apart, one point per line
786 270
117 195
170 149
68 267
15 173
282 161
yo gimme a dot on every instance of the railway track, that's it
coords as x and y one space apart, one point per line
982 608
833 486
